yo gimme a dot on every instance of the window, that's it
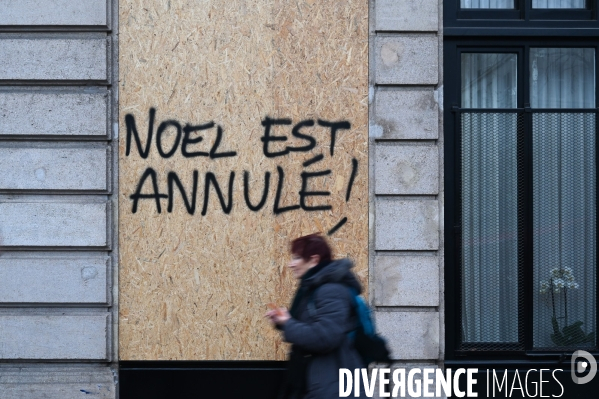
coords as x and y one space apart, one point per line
466 4
511 4
460 16
561 4
521 191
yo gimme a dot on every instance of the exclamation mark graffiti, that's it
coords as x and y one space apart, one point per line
352 177
354 172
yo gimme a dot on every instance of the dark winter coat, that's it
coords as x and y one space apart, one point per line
321 318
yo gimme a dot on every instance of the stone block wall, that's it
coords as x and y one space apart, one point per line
406 186
58 190
58 185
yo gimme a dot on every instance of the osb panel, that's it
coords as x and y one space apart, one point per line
195 286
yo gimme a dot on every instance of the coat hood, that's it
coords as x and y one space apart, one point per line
338 271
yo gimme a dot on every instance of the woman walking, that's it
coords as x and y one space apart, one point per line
317 324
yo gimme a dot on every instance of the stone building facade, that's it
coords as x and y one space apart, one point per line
59 152
406 186
59 186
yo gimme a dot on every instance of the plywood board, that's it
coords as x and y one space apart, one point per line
238 93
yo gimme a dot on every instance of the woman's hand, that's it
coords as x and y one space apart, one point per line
278 316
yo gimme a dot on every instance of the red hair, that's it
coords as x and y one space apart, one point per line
310 245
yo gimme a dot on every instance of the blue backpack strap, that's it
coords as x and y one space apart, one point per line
362 310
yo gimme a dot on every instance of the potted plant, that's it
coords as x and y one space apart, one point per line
560 281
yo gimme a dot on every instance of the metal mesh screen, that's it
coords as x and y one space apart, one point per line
564 230
491 155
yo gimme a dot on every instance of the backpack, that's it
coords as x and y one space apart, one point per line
370 346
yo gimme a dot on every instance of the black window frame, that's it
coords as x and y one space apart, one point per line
507 36
522 20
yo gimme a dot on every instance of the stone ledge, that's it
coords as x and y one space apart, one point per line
44 113
54 337
406 224
407 15
55 168
410 335
406 59
54 224
406 280
406 114
59 382
36 280
54 59
54 12
406 169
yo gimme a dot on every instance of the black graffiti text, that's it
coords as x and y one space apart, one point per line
298 131
187 138
195 192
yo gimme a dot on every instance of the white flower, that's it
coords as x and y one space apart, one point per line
554 272
544 287
559 278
